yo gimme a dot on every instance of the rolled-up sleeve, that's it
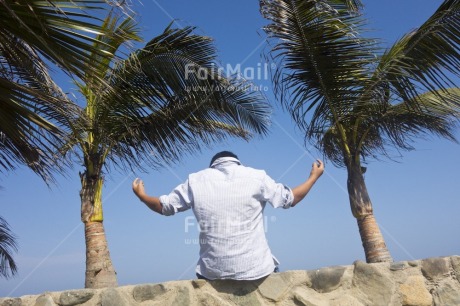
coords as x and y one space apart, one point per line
178 200
278 195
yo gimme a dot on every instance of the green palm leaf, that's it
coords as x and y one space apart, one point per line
401 124
117 31
322 63
425 59
33 109
31 106
61 31
7 247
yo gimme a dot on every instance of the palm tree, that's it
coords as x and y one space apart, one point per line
7 247
166 99
33 108
355 101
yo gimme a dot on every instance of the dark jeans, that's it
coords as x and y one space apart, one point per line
202 277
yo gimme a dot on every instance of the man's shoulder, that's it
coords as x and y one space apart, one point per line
207 172
252 172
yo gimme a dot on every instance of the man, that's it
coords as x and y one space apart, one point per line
228 200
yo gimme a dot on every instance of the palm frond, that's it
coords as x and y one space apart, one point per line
26 137
7 248
398 125
426 59
167 135
322 63
354 5
345 5
434 115
32 107
118 30
61 31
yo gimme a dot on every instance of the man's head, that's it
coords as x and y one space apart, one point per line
222 154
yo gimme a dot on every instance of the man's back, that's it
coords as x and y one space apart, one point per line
228 200
228 207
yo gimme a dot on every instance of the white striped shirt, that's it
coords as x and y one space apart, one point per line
228 201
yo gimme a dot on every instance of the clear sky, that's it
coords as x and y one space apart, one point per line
416 198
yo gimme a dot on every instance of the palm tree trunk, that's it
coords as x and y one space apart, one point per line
99 269
374 245
373 242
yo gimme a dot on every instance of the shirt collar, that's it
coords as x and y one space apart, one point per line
225 161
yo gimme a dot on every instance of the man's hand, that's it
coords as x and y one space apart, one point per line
301 191
138 187
317 169
152 202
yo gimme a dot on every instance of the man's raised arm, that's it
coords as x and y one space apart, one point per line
301 191
152 202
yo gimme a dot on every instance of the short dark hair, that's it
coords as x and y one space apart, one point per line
222 154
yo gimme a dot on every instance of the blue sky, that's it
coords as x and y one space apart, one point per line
416 198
